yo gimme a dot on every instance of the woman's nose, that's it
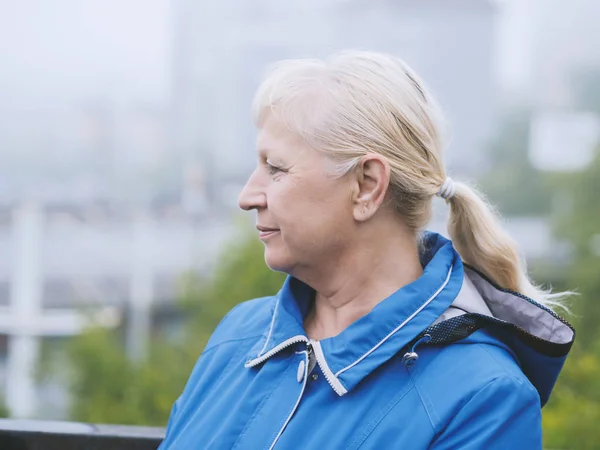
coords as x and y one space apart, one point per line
252 195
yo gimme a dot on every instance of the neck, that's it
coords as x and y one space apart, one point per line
361 278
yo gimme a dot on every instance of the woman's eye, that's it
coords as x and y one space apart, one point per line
273 170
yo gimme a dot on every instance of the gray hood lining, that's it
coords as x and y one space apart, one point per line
479 296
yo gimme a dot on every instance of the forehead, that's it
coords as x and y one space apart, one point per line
275 137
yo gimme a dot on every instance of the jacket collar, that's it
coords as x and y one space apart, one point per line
370 341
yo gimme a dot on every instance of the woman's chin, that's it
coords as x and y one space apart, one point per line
277 262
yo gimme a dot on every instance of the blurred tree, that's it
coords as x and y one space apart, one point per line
4 412
512 183
572 415
572 203
570 421
243 262
579 225
108 388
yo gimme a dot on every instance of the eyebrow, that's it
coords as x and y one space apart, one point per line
263 152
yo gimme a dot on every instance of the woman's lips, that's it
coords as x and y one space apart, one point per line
265 232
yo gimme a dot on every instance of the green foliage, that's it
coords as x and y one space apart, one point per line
107 387
513 184
4 412
241 274
572 204
570 420
572 415
580 227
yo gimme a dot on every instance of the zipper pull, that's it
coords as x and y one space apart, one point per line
312 359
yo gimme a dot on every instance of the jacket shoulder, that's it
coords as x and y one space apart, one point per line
447 378
246 320
505 413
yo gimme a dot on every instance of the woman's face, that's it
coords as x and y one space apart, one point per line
304 214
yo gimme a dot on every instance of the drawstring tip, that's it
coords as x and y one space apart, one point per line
409 358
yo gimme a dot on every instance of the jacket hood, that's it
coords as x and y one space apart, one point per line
448 303
539 339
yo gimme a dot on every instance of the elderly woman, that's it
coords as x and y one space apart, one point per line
383 336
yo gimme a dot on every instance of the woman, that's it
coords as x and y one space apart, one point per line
383 336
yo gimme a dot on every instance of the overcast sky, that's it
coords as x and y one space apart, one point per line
71 48
82 47
62 49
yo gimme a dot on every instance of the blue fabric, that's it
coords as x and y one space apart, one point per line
250 388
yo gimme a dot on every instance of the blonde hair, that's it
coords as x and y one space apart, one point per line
356 103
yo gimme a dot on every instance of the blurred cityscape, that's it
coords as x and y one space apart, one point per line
125 137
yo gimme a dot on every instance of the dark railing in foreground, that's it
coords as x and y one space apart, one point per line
50 435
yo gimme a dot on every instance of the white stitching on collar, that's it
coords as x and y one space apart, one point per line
408 319
270 328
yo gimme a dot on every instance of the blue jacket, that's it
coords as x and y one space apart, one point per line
448 362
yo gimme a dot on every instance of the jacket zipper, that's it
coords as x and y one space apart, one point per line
329 376
312 360
335 384
291 341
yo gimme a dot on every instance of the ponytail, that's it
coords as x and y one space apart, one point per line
479 238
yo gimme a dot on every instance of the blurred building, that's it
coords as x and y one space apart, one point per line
221 50
565 49
98 151
60 265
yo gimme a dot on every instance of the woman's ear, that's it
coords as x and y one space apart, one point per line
372 181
